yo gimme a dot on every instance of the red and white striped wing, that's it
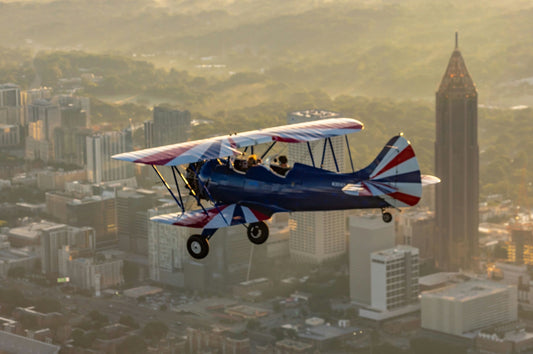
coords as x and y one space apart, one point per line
216 217
227 145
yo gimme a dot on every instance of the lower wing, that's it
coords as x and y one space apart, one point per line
216 217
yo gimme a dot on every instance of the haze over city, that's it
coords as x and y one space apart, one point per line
84 268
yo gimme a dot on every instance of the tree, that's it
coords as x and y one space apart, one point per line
155 331
16 272
129 321
132 344
253 324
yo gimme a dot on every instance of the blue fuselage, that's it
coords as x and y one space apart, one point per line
304 188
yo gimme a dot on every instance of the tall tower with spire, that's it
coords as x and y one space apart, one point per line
457 165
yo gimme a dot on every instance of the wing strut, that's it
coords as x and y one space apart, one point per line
323 153
192 190
333 153
311 153
178 187
269 148
349 152
209 195
168 187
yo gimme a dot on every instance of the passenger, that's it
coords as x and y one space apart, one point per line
283 166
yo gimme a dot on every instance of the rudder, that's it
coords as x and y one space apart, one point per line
394 175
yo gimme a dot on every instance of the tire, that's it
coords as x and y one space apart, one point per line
197 246
257 232
387 217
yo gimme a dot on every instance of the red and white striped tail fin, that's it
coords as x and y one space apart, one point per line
394 176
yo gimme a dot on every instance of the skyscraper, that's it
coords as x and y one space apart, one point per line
317 236
457 165
170 126
10 105
100 147
43 119
132 219
367 235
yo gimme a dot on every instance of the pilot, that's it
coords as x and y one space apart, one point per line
283 161
252 161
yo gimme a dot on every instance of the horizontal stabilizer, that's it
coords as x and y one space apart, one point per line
213 218
368 189
428 180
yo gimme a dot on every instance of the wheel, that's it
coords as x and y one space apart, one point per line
387 217
197 246
258 232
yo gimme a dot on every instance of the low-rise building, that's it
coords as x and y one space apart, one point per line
15 258
290 346
468 306
55 180
512 338
13 343
94 273
29 235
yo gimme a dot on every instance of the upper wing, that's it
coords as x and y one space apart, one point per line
227 145
215 218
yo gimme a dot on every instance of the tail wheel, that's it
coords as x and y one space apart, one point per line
197 246
387 217
258 232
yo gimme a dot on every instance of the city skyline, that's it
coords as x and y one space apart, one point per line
83 268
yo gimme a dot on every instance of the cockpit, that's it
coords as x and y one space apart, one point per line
279 165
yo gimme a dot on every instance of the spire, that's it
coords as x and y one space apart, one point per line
456 78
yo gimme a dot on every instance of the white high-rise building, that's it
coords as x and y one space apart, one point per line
317 236
167 248
468 306
367 234
100 166
394 275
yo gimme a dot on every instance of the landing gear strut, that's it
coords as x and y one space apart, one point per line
198 246
387 217
257 232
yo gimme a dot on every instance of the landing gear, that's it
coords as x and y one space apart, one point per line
198 246
257 232
387 217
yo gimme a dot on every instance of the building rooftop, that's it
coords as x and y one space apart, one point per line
254 281
292 344
8 86
142 291
31 231
456 78
12 343
325 332
441 278
394 253
468 290
315 113
8 255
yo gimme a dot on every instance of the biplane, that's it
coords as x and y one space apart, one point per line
241 191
